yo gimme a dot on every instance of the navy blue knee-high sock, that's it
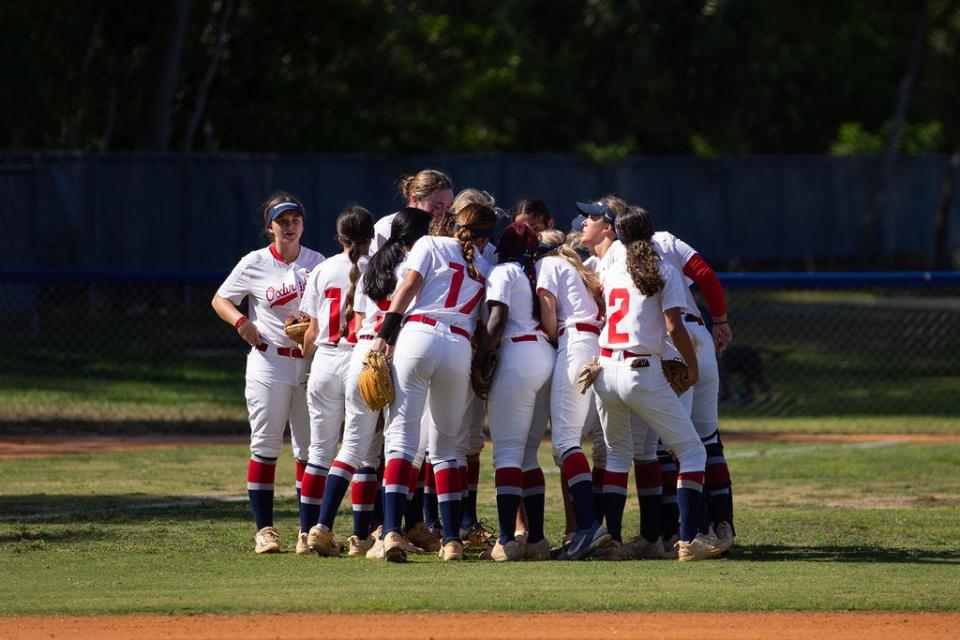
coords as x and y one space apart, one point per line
338 481
261 472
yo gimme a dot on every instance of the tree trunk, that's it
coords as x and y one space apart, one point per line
157 132
226 11
869 232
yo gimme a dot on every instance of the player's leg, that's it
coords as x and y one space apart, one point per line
653 399
448 402
537 546
414 360
422 516
471 531
300 441
267 405
648 480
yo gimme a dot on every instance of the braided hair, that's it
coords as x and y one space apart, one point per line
355 230
408 226
519 243
473 221
635 229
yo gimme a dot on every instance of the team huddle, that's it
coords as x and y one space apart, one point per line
485 316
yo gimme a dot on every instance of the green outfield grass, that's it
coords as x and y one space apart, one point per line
821 526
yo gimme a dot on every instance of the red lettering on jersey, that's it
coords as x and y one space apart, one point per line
454 294
467 308
384 305
284 300
622 296
334 296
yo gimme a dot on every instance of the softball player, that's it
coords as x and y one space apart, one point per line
428 189
328 302
645 299
360 447
273 278
701 399
571 315
446 277
519 393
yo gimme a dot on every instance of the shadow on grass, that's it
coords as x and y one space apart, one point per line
124 508
779 553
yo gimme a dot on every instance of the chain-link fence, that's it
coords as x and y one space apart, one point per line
127 352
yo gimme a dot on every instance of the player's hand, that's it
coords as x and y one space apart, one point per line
381 345
248 331
722 337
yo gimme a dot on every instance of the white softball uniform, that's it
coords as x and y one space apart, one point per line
525 364
276 371
360 440
326 298
381 231
433 350
634 335
579 319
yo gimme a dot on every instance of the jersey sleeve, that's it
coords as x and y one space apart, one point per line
499 284
359 298
237 285
673 294
310 302
548 276
420 258
697 269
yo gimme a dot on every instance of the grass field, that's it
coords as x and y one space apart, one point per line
821 526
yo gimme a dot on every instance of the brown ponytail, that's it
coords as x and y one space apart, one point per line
635 229
472 221
355 230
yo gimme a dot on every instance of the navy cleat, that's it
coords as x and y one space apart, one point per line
585 541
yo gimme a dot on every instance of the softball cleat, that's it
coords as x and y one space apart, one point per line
452 550
357 546
393 548
642 549
724 534
585 541
267 540
476 537
703 547
506 552
303 549
536 550
420 536
321 541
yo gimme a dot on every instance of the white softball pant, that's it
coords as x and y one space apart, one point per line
428 358
646 391
326 398
702 399
519 402
360 441
569 408
276 394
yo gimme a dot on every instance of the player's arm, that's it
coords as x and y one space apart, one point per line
548 314
406 291
231 315
706 279
681 340
310 338
496 323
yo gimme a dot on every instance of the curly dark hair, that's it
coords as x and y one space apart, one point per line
635 229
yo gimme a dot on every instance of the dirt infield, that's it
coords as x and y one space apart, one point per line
49 446
463 626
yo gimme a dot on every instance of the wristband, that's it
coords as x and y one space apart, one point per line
242 320
390 327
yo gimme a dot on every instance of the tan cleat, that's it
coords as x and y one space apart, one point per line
640 548
321 541
611 550
703 547
725 535
267 540
536 550
420 536
376 551
508 552
303 549
393 548
521 537
357 547
452 550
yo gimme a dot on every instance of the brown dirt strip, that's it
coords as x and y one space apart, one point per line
49 446
464 626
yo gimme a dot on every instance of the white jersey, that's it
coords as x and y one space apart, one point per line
274 288
507 283
635 321
374 310
575 305
592 263
448 294
381 231
325 297
677 254
616 252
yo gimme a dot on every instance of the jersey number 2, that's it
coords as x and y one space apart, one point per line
621 296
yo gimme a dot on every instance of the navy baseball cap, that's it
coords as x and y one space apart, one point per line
598 208
577 223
